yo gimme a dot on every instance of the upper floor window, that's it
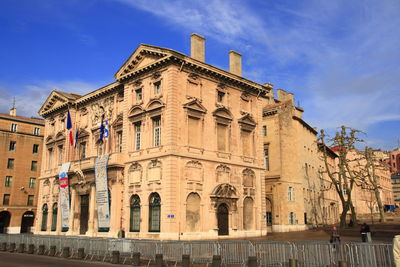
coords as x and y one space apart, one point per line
222 137
34 166
14 127
62 124
139 94
36 131
264 130
246 143
157 87
32 182
60 155
266 159
12 146
291 193
138 133
35 149
221 97
119 141
10 164
82 150
194 132
50 159
6 199
8 181
30 200
156 131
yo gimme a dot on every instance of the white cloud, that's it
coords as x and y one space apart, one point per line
35 93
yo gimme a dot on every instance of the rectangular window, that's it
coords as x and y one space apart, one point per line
82 148
221 97
14 127
292 218
6 199
157 87
157 131
119 141
139 94
8 181
10 164
291 193
269 218
221 137
264 130
50 160
60 155
34 166
62 124
30 200
194 133
35 149
36 131
138 135
32 182
11 148
246 143
266 159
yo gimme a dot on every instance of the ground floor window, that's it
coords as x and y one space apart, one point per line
154 212
134 225
44 217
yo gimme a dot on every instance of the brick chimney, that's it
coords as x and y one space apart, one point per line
235 63
197 47
13 111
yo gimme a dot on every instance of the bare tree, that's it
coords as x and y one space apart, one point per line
343 177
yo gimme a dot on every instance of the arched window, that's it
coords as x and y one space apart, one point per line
193 213
44 217
134 225
154 212
248 222
54 217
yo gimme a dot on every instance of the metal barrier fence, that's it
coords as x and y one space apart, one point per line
268 253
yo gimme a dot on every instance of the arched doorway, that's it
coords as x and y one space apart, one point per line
5 218
268 215
84 215
223 219
27 221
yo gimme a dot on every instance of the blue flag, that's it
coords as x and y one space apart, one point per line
101 128
69 121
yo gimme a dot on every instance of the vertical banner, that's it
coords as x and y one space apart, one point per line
64 196
102 200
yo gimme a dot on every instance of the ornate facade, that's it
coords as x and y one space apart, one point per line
185 150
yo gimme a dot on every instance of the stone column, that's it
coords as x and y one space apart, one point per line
92 209
72 211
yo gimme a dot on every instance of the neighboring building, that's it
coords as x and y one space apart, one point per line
394 160
396 188
21 141
185 146
298 194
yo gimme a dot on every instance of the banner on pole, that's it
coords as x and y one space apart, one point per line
64 196
102 198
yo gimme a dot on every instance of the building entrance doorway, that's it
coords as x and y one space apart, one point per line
5 217
223 219
27 221
84 216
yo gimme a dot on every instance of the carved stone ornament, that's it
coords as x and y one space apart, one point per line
137 83
156 75
103 107
46 182
193 76
81 177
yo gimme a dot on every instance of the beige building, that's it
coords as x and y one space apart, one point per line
185 150
298 194
21 141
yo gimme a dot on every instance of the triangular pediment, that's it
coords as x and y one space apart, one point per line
195 105
53 101
144 55
248 120
223 113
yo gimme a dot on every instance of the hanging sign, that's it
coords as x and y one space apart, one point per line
102 198
64 196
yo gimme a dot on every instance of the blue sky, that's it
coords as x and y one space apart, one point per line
341 59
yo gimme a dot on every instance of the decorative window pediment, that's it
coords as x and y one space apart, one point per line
49 139
83 133
247 122
223 114
60 136
136 111
195 106
225 191
154 105
117 123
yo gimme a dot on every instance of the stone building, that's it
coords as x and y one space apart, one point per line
21 141
298 193
184 144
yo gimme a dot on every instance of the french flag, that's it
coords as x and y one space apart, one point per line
69 128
